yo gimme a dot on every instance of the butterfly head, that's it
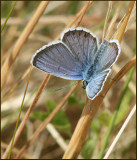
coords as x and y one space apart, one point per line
85 83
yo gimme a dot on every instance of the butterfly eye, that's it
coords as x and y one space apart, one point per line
85 83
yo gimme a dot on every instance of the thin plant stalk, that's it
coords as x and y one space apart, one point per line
113 21
114 117
21 107
120 132
106 20
20 42
12 8
11 90
21 126
46 121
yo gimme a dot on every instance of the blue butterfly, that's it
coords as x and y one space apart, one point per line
77 57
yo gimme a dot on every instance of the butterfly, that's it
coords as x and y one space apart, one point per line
77 57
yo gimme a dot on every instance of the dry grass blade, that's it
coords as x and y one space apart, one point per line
80 13
106 20
10 91
43 125
15 150
120 132
86 118
83 12
122 28
124 71
111 25
44 84
22 39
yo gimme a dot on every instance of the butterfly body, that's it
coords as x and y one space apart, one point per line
77 57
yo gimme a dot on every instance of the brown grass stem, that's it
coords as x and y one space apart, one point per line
44 124
20 128
15 150
123 71
122 28
10 91
113 21
76 17
83 12
106 20
20 42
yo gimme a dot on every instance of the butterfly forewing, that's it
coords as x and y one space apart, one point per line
82 43
57 59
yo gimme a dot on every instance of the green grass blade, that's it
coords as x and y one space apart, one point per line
111 125
12 8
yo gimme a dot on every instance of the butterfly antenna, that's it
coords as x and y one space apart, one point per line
89 105
64 87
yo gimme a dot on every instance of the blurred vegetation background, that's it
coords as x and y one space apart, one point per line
55 18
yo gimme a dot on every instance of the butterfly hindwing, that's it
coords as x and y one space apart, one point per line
96 84
57 59
107 55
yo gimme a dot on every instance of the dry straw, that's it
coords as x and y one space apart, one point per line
22 39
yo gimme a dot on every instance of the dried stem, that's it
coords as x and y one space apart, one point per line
83 13
15 150
122 28
113 21
44 124
44 84
106 20
22 39
10 91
